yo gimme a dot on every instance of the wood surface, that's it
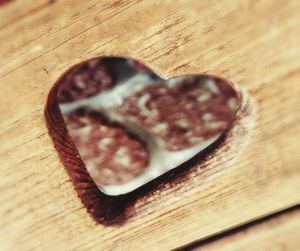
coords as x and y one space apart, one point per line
279 233
255 44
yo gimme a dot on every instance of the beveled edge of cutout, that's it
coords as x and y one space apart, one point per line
105 209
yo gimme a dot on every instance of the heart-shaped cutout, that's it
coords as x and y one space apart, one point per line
130 126
117 125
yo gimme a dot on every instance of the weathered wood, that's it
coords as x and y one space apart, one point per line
253 43
12 12
278 232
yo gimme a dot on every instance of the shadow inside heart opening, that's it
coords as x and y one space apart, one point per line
130 126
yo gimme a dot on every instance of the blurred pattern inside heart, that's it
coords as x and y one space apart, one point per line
130 126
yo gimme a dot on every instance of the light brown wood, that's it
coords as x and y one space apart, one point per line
255 44
276 234
13 12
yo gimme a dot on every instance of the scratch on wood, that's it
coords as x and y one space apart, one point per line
180 67
45 70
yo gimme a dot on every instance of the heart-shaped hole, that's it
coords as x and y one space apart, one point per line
130 126
121 131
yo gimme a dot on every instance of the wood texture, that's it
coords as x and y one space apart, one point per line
279 233
255 44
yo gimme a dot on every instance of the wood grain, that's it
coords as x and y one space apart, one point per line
255 44
12 12
277 233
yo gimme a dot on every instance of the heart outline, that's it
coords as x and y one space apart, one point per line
103 208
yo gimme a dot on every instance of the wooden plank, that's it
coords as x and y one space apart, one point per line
15 11
278 232
255 44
